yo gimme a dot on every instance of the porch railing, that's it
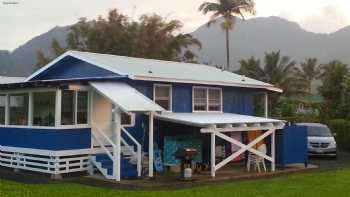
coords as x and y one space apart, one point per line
97 139
137 154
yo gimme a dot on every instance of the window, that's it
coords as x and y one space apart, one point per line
127 119
207 99
19 109
162 96
44 108
74 107
82 107
68 108
200 99
2 109
214 101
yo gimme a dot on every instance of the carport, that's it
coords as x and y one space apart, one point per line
222 124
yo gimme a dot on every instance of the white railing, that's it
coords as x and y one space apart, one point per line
137 154
45 161
106 150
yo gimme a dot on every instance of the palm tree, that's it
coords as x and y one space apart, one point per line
228 9
309 71
277 70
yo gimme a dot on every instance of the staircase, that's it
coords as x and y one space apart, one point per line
107 160
105 165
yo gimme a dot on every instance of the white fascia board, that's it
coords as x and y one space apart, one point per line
144 78
71 53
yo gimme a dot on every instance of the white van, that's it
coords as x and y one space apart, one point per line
321 141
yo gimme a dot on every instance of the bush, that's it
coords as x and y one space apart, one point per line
342 129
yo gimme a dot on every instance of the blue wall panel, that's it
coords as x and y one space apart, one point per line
291 145
72 68
46 139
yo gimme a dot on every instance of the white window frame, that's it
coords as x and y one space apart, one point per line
170 95
207 94
75 97
133 119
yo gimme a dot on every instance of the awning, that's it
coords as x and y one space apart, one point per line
222 121
126 97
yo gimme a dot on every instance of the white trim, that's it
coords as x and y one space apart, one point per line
53 162
72 54
207 88
170 94
202 82
132 119
30 108
150 144
266 105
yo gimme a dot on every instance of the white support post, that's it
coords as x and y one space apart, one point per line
7 110
212 149
30 108
150 145
266 105
116 150
58 108
273 144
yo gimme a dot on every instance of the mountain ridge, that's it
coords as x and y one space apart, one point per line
252 37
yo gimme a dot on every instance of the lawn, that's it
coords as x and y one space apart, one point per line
332 183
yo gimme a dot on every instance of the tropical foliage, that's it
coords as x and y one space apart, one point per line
308 72
150 37
278 70
229 10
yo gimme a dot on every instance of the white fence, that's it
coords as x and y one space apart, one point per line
50 162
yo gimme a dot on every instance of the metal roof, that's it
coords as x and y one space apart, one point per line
208 119
167 71
10 80
126 97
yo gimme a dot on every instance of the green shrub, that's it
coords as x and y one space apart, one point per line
342 129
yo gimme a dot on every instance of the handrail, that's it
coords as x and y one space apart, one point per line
94 135
138 150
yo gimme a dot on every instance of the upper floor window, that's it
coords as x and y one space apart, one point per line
3 102
19 109
207 99
44 108
74 107
162 96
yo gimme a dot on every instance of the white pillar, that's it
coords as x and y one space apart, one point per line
150 145
273 144
266 105
7 110
116 150
212 149
30 108
58 108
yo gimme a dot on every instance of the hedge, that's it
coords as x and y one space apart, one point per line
342 129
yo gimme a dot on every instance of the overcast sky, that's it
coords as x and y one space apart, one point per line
25 19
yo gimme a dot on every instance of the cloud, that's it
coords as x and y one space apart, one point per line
329 19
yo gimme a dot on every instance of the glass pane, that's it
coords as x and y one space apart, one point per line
68 105
19 109
162 91
214 100
200 99
162 96
2 109
44 108
82 108
125 119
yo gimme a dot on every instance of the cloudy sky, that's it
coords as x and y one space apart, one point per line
20 20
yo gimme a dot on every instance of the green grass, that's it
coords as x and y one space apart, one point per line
332 183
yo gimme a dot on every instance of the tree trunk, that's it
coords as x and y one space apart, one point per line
227 49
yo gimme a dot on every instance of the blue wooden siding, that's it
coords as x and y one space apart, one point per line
73 68
291 145
46 139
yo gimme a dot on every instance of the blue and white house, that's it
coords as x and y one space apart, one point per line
110 114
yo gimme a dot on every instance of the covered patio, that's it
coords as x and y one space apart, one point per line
220 125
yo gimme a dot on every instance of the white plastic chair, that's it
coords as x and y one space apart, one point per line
256 160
